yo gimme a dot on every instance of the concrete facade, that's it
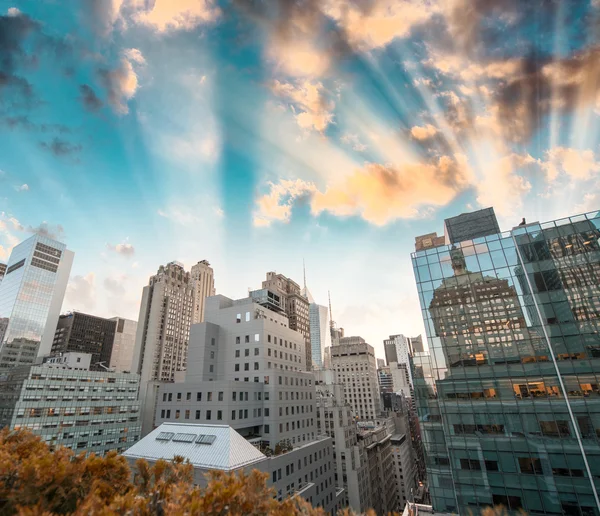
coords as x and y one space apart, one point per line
354 362
123 345
203 280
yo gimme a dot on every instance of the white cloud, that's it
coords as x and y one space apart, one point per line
423 132
354 141
22 188
81 293
574 163
13 11
125 249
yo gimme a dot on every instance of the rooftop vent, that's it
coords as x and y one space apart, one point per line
206 439
165 436
184 438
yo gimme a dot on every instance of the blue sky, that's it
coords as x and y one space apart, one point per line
260 134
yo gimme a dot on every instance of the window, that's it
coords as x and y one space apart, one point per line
233 396
197 414
164 396
530 466
237 367
266 412
209 396
247 338
233 415
255 352
268 353
220 396
212 354
237 340
162 414
237 353
188 396
470 464
555 428
256 366
208 414
187 414
212 341
168 414
198 396
256 337
491 465
211 368
246 352
178 396
238 318
247 316
177 414
246 366
219 415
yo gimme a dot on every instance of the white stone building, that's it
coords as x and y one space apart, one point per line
121 358
203 281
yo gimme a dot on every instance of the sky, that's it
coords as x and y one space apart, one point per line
263 134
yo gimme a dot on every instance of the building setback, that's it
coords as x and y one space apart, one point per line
161 341
203 281
246 371
354 362
31 295
508 395
83 333
124 344
68 405
295 305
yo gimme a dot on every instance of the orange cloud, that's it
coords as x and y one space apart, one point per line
277 204
313 112
575 163
423 133
167 15
381 194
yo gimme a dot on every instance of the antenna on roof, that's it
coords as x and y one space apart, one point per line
304 270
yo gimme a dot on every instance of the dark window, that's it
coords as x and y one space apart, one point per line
510 502
530 466
491 465
555 428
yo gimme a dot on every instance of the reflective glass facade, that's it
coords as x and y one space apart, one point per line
508 393
31 294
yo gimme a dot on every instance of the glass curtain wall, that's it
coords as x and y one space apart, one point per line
508 392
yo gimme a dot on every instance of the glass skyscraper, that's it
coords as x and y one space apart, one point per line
508 393
31 295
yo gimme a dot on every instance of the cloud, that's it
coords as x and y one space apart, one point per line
23 188
501 186
423 133
115 286
13 11
382 193
125 249
354 141
121 83
590 201
89 98
55 232
574 163
81 292
312 110
61 148
165 15
103 14
277 204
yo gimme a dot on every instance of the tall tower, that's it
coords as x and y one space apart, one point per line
161 342
31 295
203 281
296 306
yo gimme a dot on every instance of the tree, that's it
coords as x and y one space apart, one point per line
35 481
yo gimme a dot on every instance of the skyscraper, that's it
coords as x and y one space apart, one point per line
124 344
31 295
84 333
508 394
2 271
320 335
354 362
296 307
203 281
163 330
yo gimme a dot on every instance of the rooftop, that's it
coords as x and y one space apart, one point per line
205 446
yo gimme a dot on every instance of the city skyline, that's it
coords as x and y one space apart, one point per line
336 147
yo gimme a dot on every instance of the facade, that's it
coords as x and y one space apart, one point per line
31 295
2 271
320 334
295 305
384 377
404 468
68 405
247 372
335 419
163 331
203 280
354 362
508 397
83 333
401 379
122 349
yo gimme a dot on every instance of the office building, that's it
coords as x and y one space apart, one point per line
335 419
203 281
354 362
31 295
401 379
162 336
508 396
121 358
295 305
66 404
2 271
384 377
246 371
84 333
320 334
